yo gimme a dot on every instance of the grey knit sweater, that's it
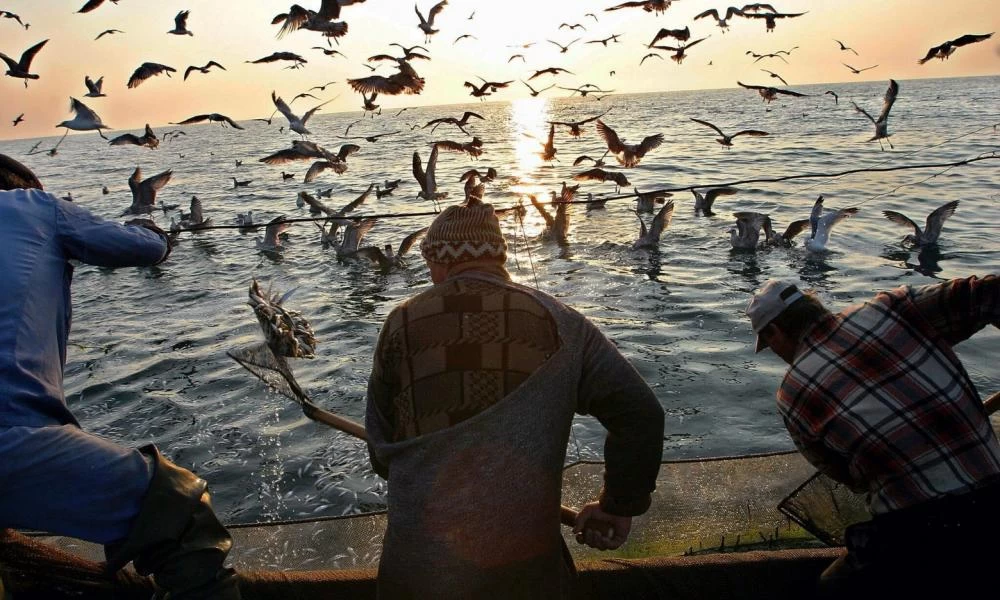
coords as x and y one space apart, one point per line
474 508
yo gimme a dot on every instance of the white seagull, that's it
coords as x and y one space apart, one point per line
295 123
650 239
85 119
272 235
882 122
426 178
821 224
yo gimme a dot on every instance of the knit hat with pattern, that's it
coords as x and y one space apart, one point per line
463 233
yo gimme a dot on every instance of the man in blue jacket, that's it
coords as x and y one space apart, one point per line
55 477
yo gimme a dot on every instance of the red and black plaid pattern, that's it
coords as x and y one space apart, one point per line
455 350
877 396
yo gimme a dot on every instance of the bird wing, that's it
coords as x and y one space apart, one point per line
194 119
418 172
751 132
30 53
180 21
83 111
376 83
316 169
87 81
901 219
149 187
467 114
580 159
11 63
936 220
707 124
651 54
814 215
714 193
970 38
145 71
275 227
294 20
662 220
931 54
350 206
347 150
90 5
549 219
795 228
354 233
592 174
310 112
124 139
827 221
749 87
188 70
753 221
431 169
888 101
863 111
212 63
610 137
409 240
650 142
790 93
710 12
283 108
372 253
435 11
316 204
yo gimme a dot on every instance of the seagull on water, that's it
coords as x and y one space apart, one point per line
650 239
387 259
272 235
703 202
821 225
932 228
144 191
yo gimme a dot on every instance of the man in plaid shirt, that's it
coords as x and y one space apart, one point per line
876 398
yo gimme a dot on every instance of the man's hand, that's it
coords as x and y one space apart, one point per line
169 238
599 529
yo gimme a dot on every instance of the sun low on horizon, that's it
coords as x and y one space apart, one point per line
474 42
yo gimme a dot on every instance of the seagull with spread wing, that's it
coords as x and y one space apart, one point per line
598 174
681 35
822 224
535 92
574 126
295 123
147 139
211 117
650 6
770 93
858 71
460 123
387 259
628 155
144 191
93 4
322 21
426 178
703 202
727 140
147 70
85 119
180 24
932 227
722 22
882 122
107 32
679 55
946 49
427 25
21 69
564 49
844 47
649 239
94 87
204 69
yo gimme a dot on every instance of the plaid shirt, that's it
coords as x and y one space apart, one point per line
877 399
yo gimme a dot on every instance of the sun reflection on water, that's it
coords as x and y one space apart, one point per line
528 125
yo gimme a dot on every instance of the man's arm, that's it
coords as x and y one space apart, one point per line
379 402
96 241
959 308
612 391
829 463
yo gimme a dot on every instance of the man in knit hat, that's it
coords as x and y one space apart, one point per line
472 394
57 477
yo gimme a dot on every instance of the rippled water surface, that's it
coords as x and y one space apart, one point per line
147 358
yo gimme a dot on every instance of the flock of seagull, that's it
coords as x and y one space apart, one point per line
346 233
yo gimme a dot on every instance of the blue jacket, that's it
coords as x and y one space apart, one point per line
39 234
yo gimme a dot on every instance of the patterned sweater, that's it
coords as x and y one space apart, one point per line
474 468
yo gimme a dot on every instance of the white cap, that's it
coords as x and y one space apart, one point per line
769 302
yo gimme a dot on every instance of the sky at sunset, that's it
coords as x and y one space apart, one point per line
892 34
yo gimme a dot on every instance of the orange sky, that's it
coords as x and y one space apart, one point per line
890 33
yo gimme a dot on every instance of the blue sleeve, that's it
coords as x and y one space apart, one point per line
96 241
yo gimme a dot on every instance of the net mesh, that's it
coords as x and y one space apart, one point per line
269 368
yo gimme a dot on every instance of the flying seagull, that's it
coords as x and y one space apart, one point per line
212 117
628 155
769 93
427 25
882 122
932 228
722 22
948 48
144 191
147 70
204 69
148 139
107 32
858 71
180 24
93 4
727 140
94 87
85 119
295 123
21 69
426 178
845 47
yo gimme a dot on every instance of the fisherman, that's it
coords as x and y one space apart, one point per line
54 476
876 399
473 389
